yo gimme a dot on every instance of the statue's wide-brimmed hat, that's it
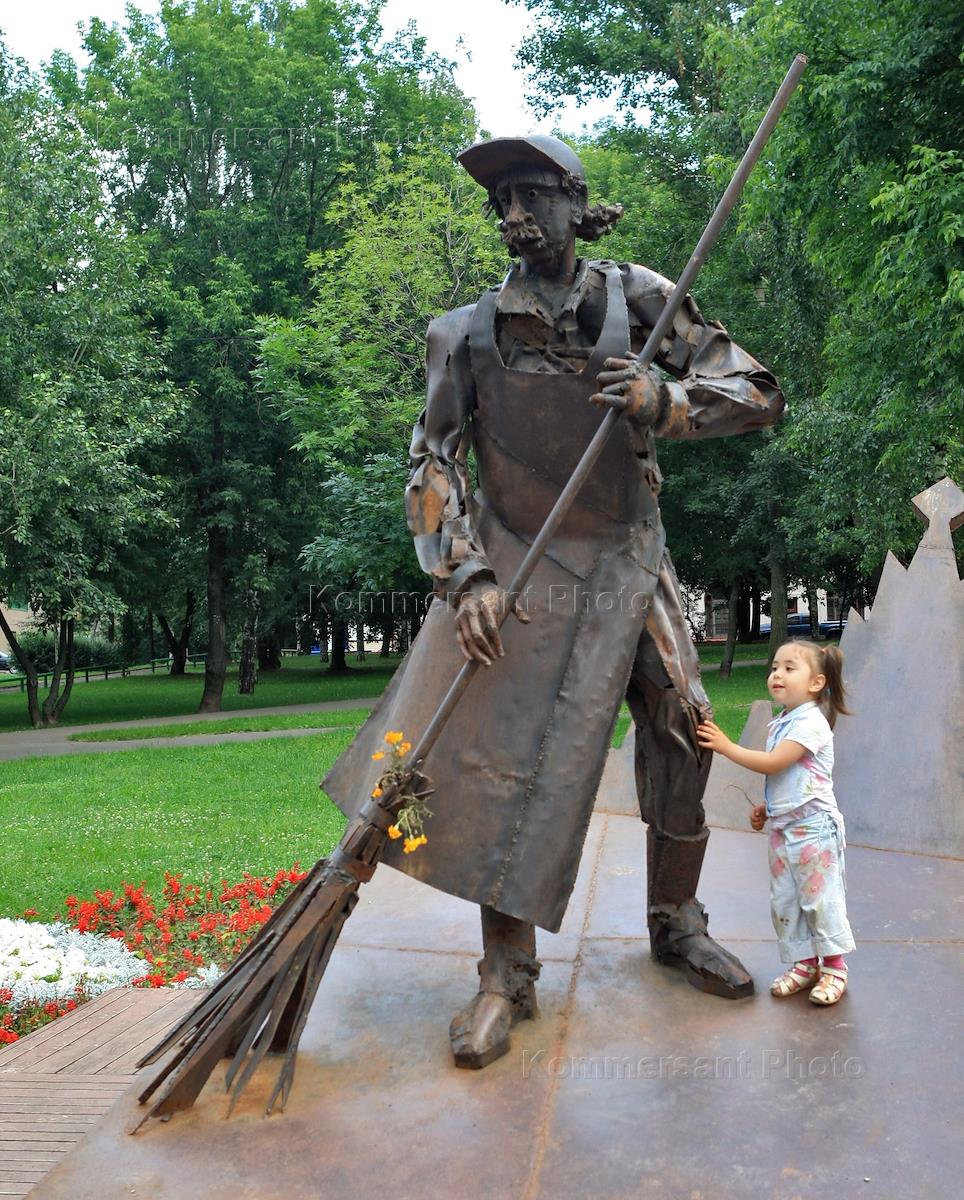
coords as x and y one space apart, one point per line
487 162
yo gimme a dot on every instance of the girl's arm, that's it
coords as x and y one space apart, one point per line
764 762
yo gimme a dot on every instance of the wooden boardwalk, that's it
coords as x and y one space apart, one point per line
56 1084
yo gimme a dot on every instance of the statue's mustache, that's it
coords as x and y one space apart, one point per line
525 233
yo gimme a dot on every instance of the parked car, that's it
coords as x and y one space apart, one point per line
832 629
8 663
798 625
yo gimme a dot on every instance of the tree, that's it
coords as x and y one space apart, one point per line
226 125
82 395
850 236
868 176
350 370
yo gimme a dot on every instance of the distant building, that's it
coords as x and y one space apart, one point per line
709 616
17 618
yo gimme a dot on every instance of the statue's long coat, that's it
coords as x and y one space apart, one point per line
518 765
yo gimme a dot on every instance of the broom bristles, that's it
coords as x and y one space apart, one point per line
247 1004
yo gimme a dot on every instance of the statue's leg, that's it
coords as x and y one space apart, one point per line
667 701
507 973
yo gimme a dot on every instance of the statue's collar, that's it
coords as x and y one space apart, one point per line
517 297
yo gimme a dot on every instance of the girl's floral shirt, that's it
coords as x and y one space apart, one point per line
806 787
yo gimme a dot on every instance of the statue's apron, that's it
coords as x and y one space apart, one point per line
517 766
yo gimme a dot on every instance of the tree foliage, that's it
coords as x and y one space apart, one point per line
226 126
82 391
843 273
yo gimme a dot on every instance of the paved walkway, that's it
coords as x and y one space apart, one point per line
48 743
631 1084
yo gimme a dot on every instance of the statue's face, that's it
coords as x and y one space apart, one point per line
538 217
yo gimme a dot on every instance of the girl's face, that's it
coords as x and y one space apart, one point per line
792 680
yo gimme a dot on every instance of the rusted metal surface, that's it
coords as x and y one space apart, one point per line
522 779
899 773
548 507
262 1002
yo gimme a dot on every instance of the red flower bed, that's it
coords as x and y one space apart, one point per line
32 1016
191 925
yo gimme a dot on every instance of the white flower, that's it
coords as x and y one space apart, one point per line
40 963
204 978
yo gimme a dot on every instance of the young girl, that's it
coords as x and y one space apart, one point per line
807 899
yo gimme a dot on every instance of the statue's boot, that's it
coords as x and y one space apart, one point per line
677 921
507 972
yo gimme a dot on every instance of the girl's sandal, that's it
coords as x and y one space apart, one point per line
797 979
831 986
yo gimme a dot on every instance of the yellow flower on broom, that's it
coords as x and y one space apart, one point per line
394 832
376 793
404 747
378 755
393 738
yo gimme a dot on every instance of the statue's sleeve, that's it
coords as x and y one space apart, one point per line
437 499
716 388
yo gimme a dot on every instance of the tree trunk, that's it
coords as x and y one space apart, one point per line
844 599
177 647
55 701
269 653
339 642
360 641
304 635
151 643
403 642
31 681
69 668
813 604
742 613
216 666
324 628
386 638
726 665
778 601
130 642
754 613
248 666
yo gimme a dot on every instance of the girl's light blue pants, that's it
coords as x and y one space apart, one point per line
808 899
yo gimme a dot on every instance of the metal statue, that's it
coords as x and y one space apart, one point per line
521 767
521 376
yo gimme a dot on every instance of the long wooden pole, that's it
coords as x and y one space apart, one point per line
646 356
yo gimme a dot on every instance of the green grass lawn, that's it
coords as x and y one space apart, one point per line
77 823
81 822
321 720
712 652
300 681
731 698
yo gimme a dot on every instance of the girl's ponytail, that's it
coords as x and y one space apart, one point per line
836 692
828 661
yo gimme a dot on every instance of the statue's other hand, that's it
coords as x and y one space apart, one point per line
477 620
625 385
